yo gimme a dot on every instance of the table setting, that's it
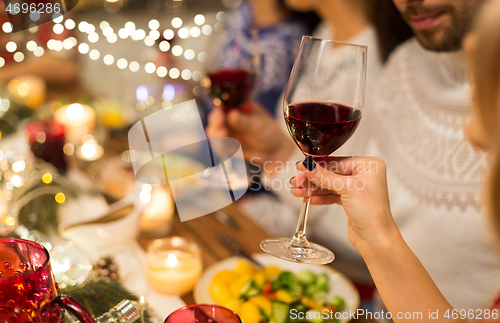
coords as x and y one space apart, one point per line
86 236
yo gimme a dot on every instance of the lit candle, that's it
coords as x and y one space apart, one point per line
159 212
90 150
28 89
173 265
79 120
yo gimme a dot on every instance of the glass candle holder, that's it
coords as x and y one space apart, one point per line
173 265
156 220
47 141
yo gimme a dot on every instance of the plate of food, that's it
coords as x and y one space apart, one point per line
281 292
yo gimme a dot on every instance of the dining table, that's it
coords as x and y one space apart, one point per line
204 231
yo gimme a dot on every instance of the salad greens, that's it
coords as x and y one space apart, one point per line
274 296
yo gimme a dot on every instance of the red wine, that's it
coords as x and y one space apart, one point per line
231 86
320 128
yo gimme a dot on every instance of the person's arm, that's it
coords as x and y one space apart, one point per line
402 281
360 186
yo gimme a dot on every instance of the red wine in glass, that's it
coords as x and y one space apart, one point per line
320 128
231 86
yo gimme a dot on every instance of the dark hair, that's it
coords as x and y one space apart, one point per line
391 29
310 19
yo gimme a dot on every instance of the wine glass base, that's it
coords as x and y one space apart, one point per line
313 254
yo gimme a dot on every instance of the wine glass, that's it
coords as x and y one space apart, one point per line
322 105
232 66
231 71
203 313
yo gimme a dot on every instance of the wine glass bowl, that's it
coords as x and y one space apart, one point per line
232 67
322 109
320 128
231 87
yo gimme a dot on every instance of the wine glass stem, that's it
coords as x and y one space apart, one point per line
299 241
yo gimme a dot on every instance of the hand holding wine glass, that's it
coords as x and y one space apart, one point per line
322 105
359 185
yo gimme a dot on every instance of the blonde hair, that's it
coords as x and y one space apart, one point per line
485 61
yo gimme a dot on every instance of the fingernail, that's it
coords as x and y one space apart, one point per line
290 180
300 161
309 164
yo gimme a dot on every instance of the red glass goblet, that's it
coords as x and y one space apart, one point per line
203 313
28 291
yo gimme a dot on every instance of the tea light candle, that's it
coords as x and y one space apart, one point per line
79 120
159 212
173 265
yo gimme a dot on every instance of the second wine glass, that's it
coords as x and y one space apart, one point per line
322 105
231 73
232 67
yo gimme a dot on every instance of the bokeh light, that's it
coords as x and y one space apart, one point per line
47 178
60 198
176 22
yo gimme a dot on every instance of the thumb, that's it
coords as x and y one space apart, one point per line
216 126
322 177
216 117
236 120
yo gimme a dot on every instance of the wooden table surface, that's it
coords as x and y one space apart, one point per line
204 231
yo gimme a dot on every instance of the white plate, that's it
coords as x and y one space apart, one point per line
338 283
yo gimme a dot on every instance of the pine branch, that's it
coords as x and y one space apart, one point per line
99 296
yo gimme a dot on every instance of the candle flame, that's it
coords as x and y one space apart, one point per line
74 111
145 196
172 260
23 89
88 150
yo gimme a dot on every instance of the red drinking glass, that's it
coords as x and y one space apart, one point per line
28 291
203 313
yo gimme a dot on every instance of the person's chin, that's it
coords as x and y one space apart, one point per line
433 40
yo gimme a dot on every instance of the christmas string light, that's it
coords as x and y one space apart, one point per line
129 30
